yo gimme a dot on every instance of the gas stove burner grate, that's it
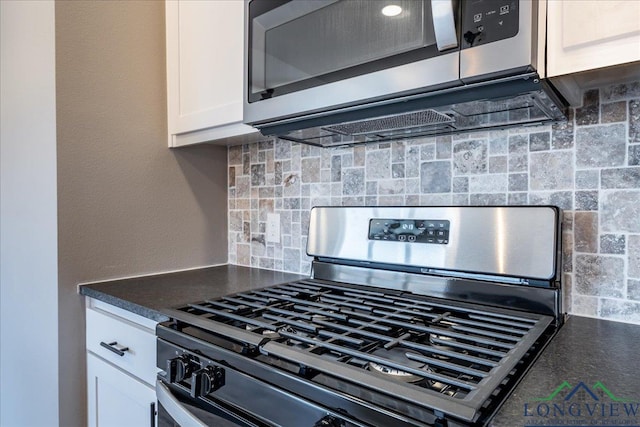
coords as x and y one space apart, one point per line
455 350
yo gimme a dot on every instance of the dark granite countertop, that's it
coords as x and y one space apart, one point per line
148 295
591 365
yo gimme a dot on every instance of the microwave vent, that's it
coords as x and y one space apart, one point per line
386 124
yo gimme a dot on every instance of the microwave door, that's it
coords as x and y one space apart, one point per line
326 55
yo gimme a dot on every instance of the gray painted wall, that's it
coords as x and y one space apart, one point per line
127 204
28 245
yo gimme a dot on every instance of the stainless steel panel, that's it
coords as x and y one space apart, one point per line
509 241
365 88
512 53
444 25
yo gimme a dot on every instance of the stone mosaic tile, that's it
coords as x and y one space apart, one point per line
336 168
359 155
601 146
585 232
428 152
634 155
518 144
584 306
397 170
443 147
498 164
460 200
498 143
435 177
612 244
398 150
488 199
586 200
257 174
561 199
613 112
620 310
246 163
588 114
390 186
494 183
283 150
470 157
353 181
620 178
518 199
587 179
620 91
460 184
599 275
518 162
567 221
539 141
435 199
620 211
234 155
590 168
232 177
311 168
518 182
567 252
551 170
378 164
633 289
562 133
633 264
412 163
567 285
634 120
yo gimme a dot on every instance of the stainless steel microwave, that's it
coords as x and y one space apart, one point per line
335 72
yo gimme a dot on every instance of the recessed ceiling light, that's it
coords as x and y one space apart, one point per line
391 10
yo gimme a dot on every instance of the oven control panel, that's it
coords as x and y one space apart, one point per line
434 231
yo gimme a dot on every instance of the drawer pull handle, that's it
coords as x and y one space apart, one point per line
110 347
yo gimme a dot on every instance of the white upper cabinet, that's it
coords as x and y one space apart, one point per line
205 72
584 35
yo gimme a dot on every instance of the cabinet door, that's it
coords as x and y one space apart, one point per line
585 34
205 52
117 399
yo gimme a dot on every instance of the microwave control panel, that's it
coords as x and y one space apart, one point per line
486 21
433 231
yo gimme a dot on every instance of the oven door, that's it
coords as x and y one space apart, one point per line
306 56
175 410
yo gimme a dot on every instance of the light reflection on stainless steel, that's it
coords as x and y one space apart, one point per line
511 241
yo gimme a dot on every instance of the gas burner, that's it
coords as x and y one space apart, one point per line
268 333
396 355
288 330
440 342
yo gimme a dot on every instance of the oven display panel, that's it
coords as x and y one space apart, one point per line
410 230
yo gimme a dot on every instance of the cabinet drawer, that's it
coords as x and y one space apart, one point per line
139 358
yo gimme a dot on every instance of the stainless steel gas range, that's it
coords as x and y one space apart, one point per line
412 316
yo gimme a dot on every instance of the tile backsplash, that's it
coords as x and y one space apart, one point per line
589 166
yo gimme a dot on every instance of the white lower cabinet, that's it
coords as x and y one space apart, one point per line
116 398
121 367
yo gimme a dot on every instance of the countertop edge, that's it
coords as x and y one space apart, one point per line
123 304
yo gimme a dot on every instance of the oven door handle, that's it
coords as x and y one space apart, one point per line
174 407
